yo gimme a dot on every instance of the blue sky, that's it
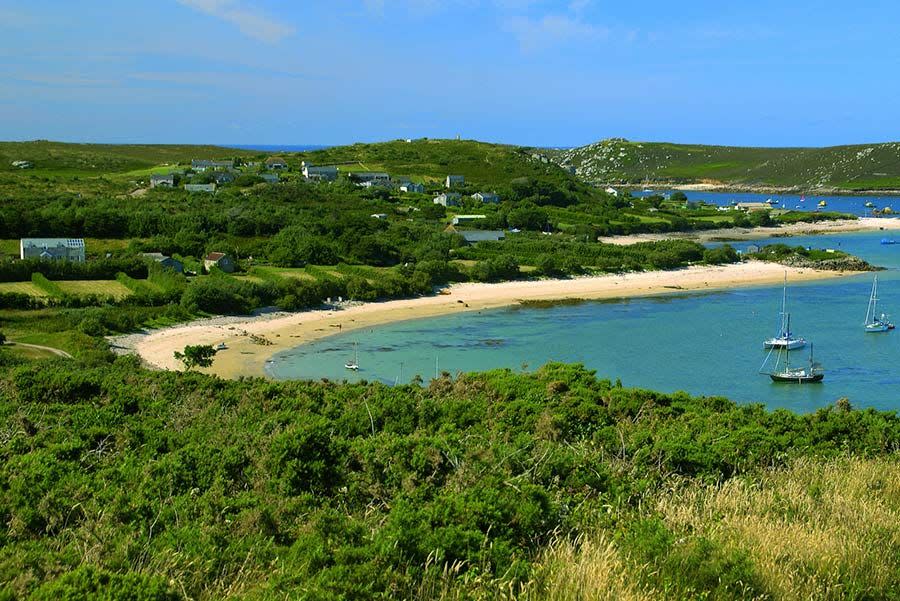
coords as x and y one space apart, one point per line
519 71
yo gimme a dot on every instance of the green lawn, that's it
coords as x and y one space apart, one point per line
99 287
21 288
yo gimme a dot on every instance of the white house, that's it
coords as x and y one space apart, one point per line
52 249
448 199
486 197
454 180
413 188
611 191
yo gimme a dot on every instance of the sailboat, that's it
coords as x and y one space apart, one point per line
354 365
880 323
808 374
784 338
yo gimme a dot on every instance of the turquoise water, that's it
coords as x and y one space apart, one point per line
855 205
705 344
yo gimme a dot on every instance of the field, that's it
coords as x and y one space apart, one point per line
97 287
859 167
21 288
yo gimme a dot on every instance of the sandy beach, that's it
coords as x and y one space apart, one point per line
252 341
795 229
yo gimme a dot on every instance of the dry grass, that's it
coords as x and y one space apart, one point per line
819 530
21 288
111 288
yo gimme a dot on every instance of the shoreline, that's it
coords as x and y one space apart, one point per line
737 234
252 341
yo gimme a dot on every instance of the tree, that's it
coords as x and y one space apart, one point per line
2 338
198 355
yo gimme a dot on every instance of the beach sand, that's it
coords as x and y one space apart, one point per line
757 233
245 356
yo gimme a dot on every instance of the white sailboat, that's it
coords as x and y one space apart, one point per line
784 338
876 323
354 365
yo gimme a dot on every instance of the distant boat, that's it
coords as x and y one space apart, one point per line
354 365
888 241
784 338
809 374
822 203
870 204
874 324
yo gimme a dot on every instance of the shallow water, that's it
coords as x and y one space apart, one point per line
708 344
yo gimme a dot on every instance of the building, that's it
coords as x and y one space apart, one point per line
454 180
205 165
476 236
22 164
167 262
200 188
463 219
276 163
52 249
219 260
612 191
369 176
486 197
270 178
752 206
752 249
448 199
319 174
157 180
379 215
223 177
413 188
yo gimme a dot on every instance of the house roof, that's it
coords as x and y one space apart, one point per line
50 242
482 235
273 160
214 256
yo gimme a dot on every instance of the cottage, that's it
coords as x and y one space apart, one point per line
454 180
611 191
52 249
223 177
276 163
158 180
476 236
752 206
270 178
463 219
218 260
486 197
319 174
413 188
209 188
167 262
448 199
369 176
202 165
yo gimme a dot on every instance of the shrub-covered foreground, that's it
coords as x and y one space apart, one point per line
116 482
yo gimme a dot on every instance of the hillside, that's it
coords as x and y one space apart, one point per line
837 168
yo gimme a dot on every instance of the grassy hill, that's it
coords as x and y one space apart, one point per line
55 157
858 167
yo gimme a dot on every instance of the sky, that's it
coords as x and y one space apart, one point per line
531 72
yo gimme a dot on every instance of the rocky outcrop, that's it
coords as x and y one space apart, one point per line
839 263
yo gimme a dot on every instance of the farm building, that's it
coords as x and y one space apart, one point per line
464 219
475 236
167 262
158 180
220 260
369 176
486 197
52 249
200 188
204 165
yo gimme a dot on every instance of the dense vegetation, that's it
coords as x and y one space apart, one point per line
145 485
859 167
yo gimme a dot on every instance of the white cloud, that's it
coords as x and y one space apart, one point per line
536 34
248 19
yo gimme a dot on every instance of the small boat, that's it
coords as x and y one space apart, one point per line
888 241
784 338
876 323
808 374
822 203
221 346
354 365
870 204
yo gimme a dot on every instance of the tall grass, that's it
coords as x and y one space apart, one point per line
51 288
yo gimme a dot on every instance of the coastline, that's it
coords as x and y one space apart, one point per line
246 357
863 224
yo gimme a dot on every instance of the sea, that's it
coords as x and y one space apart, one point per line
708 343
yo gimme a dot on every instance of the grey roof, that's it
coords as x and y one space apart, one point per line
52 242
472 236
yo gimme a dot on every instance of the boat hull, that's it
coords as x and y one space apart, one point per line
781 343
801 379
